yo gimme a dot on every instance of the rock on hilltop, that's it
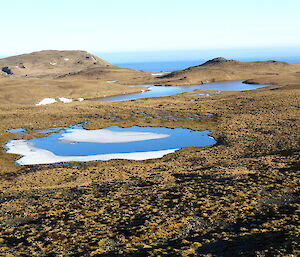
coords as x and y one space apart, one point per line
217 60
49 63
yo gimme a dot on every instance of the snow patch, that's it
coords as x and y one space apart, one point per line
33 155
107 136
46 101
65 100
160 73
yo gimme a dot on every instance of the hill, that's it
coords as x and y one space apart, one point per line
238 197
221 69
49 63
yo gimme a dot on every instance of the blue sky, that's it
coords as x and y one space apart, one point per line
107 26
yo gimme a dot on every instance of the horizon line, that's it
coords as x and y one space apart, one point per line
155 50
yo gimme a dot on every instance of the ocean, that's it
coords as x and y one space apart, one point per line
178 65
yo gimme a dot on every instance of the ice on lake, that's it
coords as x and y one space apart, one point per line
75 144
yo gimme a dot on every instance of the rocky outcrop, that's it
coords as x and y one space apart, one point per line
6 70
217 60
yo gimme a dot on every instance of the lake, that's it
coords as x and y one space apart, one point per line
76 144
159 91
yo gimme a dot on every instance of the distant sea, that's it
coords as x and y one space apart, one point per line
156 61
178 65
159 66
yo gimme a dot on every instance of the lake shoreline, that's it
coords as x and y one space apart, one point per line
240 192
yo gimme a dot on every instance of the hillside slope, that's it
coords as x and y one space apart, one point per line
49 63
221 69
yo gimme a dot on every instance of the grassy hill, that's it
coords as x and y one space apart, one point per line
221 69
49 63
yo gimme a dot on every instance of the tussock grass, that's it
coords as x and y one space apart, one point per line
238 197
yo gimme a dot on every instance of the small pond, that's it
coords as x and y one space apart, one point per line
17 130
158 91
76 144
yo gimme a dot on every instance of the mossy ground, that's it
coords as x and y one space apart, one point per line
239 197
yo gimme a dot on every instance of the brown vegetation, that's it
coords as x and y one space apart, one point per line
49 63
237 198
265 71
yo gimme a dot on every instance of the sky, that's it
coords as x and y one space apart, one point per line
116 26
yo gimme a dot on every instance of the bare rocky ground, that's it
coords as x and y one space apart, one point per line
239 197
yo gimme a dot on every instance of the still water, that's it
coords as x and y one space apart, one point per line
157 91
78 144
